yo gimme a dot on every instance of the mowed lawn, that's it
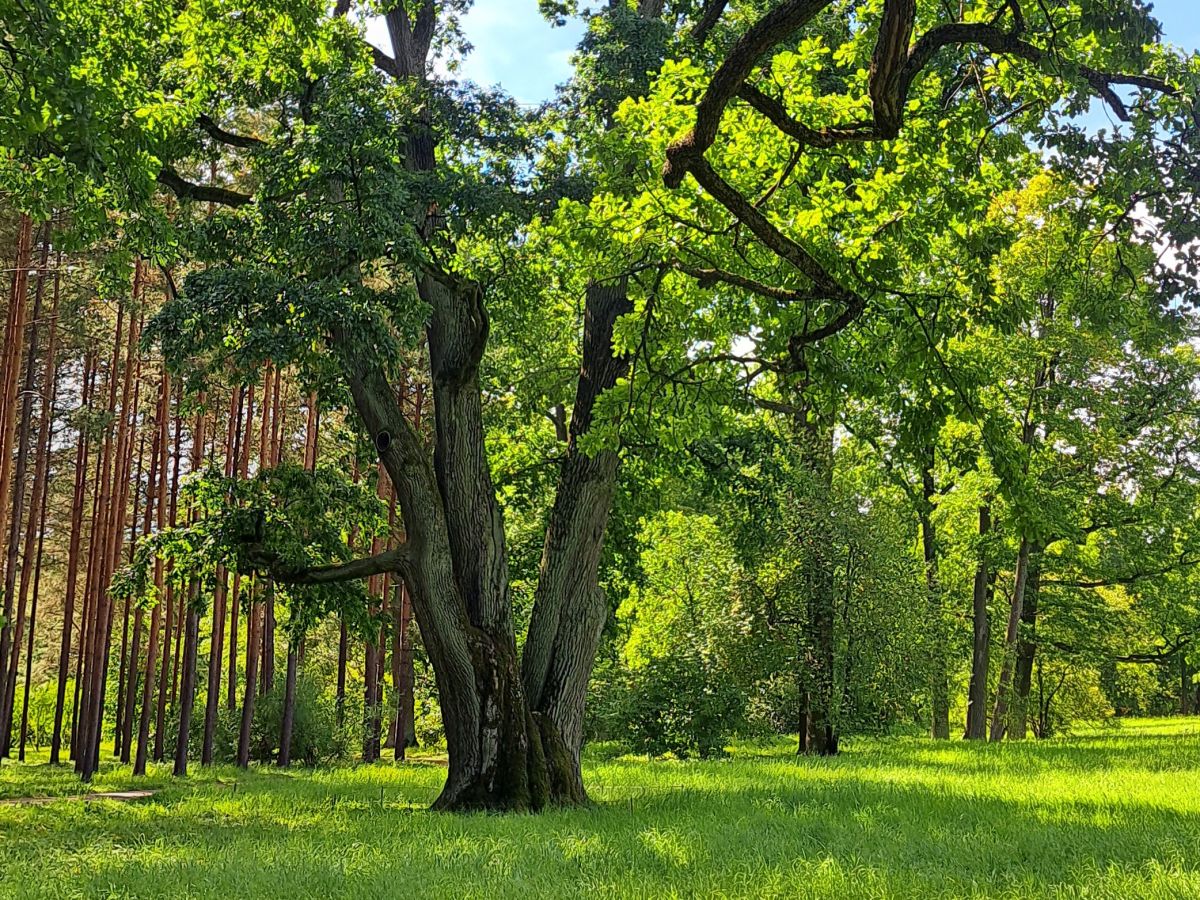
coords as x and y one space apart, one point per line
1109 813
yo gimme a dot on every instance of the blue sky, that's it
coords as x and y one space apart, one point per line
517 49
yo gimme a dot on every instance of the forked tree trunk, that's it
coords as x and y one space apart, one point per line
1003 688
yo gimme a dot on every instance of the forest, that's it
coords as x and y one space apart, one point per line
787 426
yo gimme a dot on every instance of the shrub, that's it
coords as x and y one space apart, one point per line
677 704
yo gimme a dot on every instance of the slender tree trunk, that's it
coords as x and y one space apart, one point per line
270 413
1021 579
14 345
41 491
1185 684
77 502
976 729
187 690
169 629
216 645
815 435
130 396
289 709
128 670
1026 651
161 444
253 643
940 678
10 643
343 658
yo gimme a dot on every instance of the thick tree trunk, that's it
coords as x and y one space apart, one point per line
977 691
569 608
1003 688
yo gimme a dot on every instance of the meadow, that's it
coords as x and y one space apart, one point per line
1113 812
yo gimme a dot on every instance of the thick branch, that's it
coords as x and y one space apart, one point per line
355 570
186 190
772 237
217 133
774 111
1009 43
708 20
771 29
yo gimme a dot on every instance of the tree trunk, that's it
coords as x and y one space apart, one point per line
191 641
41 491
981 636
10 636
77 502
14 346
253 643
289 709
1026 651
569 607
815 436
939 679
1021 579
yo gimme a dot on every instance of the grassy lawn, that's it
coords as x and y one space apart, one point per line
1110 813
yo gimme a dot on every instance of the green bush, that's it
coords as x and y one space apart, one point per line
678 704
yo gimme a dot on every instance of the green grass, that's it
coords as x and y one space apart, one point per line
1110 813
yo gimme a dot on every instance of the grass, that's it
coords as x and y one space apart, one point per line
1106 814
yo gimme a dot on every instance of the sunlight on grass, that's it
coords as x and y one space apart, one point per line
1111 812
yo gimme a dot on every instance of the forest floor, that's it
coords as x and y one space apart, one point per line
1110 813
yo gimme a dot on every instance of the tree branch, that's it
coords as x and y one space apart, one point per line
187 190
776 26
394 560
217 133
708 20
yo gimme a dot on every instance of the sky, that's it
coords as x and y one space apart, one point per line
520 51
